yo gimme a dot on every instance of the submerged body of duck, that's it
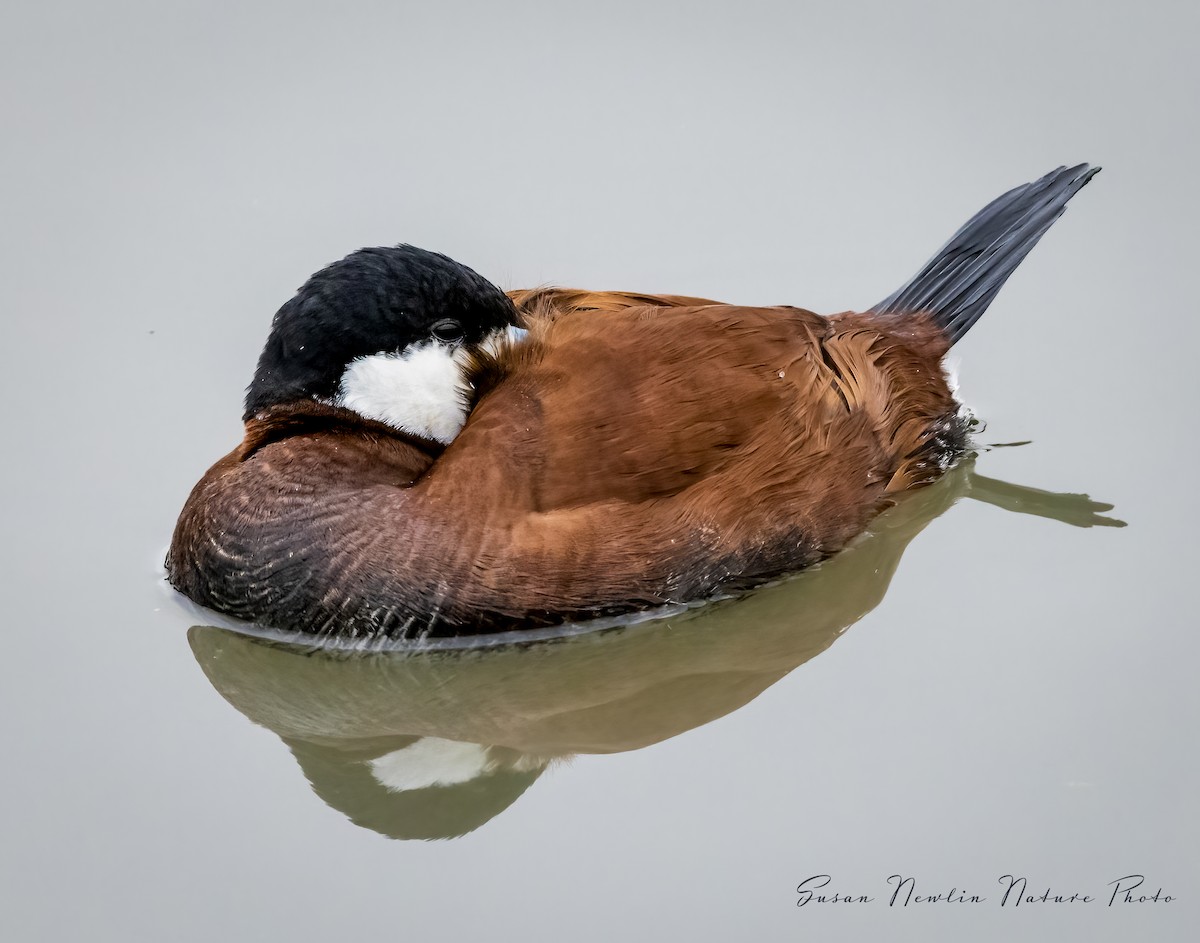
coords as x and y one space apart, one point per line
410 469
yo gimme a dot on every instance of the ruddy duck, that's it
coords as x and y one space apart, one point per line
426 455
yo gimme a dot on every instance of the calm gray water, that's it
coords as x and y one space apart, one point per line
971 692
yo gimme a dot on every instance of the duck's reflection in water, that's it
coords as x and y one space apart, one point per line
434 744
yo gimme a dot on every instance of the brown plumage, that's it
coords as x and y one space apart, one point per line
632 451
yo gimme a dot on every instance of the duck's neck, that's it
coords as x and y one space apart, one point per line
312 417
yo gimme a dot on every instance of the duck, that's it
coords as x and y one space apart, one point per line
426 455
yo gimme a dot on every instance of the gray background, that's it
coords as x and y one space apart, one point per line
1023 700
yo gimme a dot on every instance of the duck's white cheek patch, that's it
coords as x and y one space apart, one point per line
422 390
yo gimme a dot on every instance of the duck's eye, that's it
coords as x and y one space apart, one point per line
447 329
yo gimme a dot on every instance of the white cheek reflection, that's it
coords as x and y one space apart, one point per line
430 761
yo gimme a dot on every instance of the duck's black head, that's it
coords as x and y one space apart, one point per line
390 317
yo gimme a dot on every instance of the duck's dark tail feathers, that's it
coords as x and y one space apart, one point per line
957 285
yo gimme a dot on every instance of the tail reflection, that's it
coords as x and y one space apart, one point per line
434 744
